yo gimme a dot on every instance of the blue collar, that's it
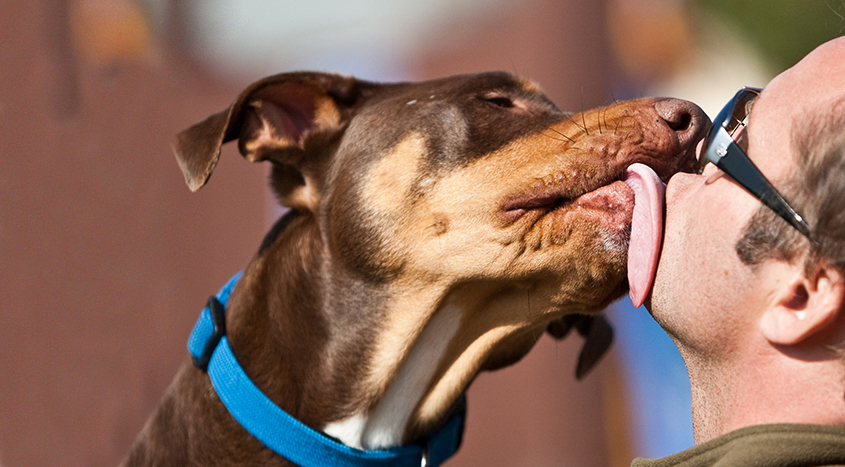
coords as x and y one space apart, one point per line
282 433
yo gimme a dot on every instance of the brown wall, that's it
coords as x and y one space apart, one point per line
107 258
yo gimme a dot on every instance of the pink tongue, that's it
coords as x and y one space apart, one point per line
646 229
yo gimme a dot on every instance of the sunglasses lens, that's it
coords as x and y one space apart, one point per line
739 116
733 118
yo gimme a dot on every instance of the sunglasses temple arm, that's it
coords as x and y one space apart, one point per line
749 177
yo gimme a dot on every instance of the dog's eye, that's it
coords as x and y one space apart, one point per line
499 101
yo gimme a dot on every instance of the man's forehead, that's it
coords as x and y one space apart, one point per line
803 90
814 81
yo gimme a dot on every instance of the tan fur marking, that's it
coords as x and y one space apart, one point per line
326 114
530 86
305 196
467 364
392 178
469 198
406 316
493 318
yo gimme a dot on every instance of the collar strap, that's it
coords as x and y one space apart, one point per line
282 433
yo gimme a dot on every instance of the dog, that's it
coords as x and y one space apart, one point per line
435 230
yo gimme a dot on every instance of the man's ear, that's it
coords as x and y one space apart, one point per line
273 119
803 305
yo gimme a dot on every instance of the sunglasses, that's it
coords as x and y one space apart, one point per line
725 148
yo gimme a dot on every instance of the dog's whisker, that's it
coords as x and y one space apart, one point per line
574 122
605 119
598 120
528 299
562 134
552 137
538 332
613 98
583 118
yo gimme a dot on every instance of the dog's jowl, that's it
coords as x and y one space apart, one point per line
435 230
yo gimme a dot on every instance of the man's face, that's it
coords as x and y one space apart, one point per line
703 295
700 279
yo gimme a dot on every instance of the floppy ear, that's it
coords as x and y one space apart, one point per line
597 334
272 119
804 305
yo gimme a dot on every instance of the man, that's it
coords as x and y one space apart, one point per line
754 298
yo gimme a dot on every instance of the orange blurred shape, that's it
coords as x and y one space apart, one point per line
649 37
111 32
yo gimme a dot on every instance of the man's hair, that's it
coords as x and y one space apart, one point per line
816 189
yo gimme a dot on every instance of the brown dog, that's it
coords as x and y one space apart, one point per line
436 229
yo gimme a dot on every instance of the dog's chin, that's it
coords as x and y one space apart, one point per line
596 226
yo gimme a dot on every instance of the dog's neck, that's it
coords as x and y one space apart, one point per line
402 371
373 368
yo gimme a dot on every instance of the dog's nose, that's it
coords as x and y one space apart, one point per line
685 118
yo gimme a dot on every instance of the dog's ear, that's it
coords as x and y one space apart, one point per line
597 333
271 119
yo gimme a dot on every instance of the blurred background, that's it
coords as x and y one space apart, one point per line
107 258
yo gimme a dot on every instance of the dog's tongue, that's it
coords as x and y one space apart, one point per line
646 229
